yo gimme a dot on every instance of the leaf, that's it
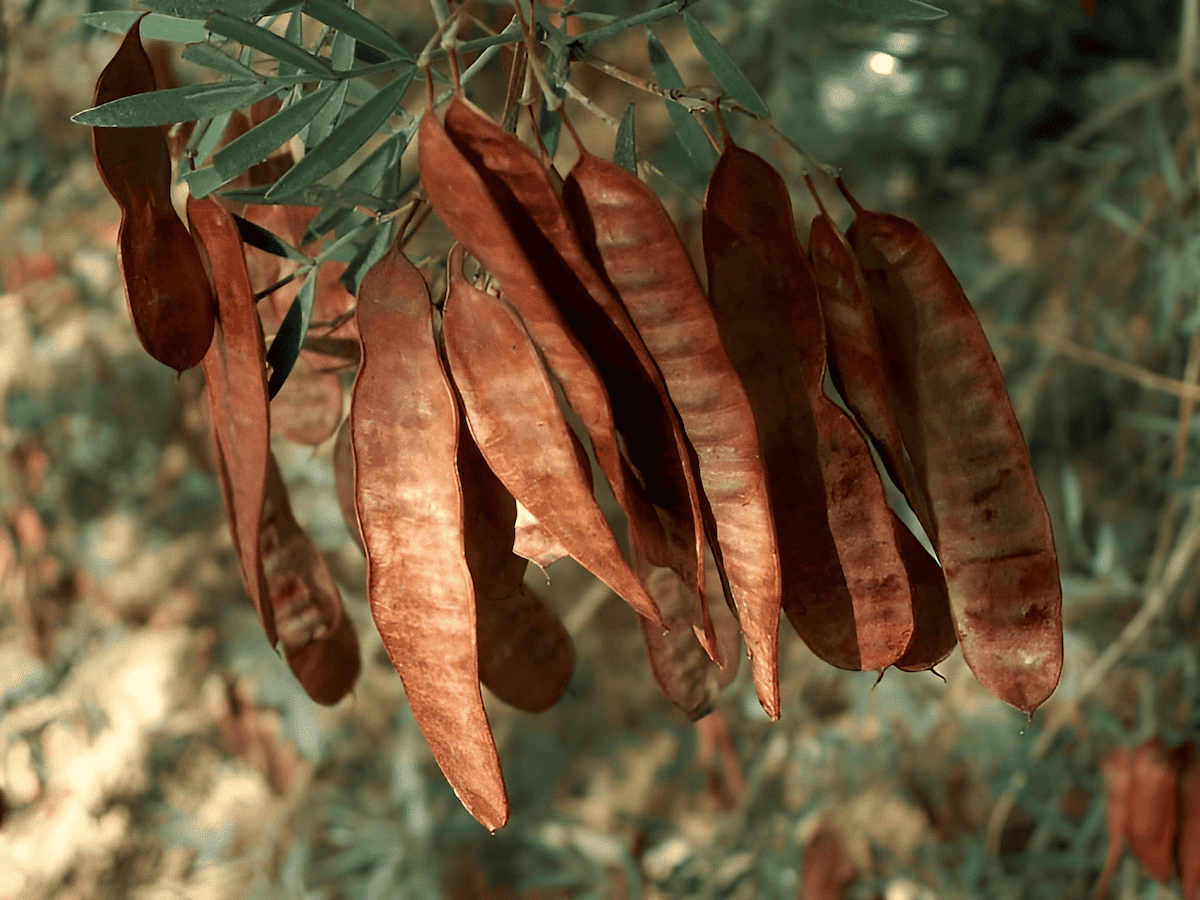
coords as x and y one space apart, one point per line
162 28
200 9
625 151
182 104
549 127
372 251
207 55
356 25
349 135
284 350
721 64
366 177
257 144
257 236
269 43
900 10
687 129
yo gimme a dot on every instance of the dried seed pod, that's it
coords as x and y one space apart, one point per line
933 637
988 520
534 543
624 225
1188 844
1152 821
405 434
530 201
235 373
308 408
318 639
1117 771
845 588
463 202
170 299
520 430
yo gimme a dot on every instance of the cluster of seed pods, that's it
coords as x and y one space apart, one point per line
586 334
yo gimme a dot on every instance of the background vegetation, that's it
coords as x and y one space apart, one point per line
152 745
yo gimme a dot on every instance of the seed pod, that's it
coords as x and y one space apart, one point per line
170 299
516 423
1117 771
624 225
530 201
308 407
318 639
235 374
988 520
405 434
855 356
534 543
1152 817
933 636
460 197
1188 844
525 654
845 588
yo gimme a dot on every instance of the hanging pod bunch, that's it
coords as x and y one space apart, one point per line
170 300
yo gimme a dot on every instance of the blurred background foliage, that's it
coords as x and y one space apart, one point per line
152 745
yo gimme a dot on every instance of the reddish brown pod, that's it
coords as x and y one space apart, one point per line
170 299
629 233
405 434
845 588
1187 846
1152 819
318 639
462 200
235 374
526 657
988 520
516 422
529 198
933 638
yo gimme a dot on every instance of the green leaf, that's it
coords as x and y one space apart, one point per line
294 33
721 64
257 236
690 134
347 20
182 104
269 43
366 177
902 10
201 9
549 126
350 134
625 151
258 143
370 253
154 27
204 54
285 349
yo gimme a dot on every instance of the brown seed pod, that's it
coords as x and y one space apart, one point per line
405 433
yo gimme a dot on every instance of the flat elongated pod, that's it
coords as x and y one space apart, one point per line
405 431
170 300
845 589
1117 772
530 201
526 656
318 638
933 637
235 374
855 356
625 226
534 543
308 408
462 201
517 424
682 668
1152 818
1188 844
988 519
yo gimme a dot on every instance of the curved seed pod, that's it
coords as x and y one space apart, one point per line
625 225
682 668
654 437
170 299
1152 817
933 637
1188 845
525 654
318 639
308 407
855 356
1117 771
534 543
235 373
988 519
520 430
461 199
405 434
343 479
845 589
